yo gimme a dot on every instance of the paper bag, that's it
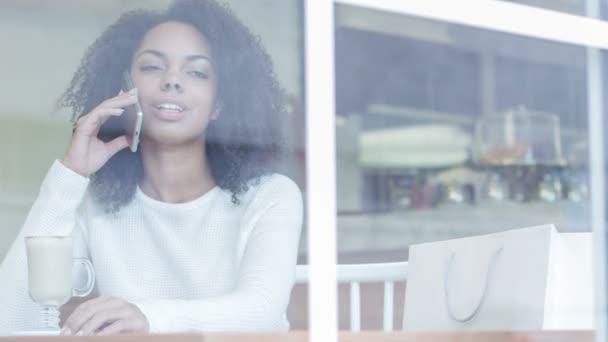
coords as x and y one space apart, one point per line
525 279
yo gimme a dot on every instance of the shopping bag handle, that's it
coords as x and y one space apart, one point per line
470 316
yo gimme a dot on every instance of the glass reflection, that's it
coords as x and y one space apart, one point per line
446 131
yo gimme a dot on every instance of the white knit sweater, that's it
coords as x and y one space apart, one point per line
204 265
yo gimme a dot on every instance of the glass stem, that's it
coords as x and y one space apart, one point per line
50 317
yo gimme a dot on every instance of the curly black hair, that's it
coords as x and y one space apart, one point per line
246 141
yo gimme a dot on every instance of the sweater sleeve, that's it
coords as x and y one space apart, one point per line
265 279
54 212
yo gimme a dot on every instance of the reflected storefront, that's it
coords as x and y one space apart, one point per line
445 131
448 126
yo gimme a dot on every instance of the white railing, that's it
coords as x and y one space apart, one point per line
354 274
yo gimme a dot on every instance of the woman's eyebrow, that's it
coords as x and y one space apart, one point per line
163 56
153 52
195 57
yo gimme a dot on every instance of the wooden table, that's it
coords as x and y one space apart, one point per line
302 336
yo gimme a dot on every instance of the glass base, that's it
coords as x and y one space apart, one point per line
50 318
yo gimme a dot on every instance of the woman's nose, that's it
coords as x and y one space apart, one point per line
171 82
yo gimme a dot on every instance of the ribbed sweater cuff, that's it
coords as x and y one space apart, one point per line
158 318
64 185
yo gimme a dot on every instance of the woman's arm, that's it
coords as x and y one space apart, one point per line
265 281
55 210
54 213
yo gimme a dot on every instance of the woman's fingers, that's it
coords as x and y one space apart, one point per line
104 111
103 318
122 326
116 327
121 100
91 123
117 144
85 311
134 321
86 152
105 315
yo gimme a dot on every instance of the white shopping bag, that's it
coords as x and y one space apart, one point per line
525 279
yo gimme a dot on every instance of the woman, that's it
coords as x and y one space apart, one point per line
195 231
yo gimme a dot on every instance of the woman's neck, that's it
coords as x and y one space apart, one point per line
176 174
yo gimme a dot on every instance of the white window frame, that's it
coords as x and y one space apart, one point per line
499 16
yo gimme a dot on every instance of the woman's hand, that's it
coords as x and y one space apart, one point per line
86 153
105 316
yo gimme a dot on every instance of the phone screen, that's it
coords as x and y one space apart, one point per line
133 115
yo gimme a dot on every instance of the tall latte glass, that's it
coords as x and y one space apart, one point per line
50 267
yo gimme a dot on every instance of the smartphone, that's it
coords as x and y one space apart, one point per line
133 116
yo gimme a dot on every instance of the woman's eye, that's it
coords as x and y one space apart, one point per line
198 74
149 68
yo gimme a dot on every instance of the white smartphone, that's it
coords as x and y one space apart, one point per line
133 116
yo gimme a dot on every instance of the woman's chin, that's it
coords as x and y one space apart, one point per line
171 137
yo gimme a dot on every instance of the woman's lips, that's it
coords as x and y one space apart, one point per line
168 114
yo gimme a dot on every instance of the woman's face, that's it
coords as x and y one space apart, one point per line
177 84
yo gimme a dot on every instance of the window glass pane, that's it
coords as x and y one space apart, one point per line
226 83
446 131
